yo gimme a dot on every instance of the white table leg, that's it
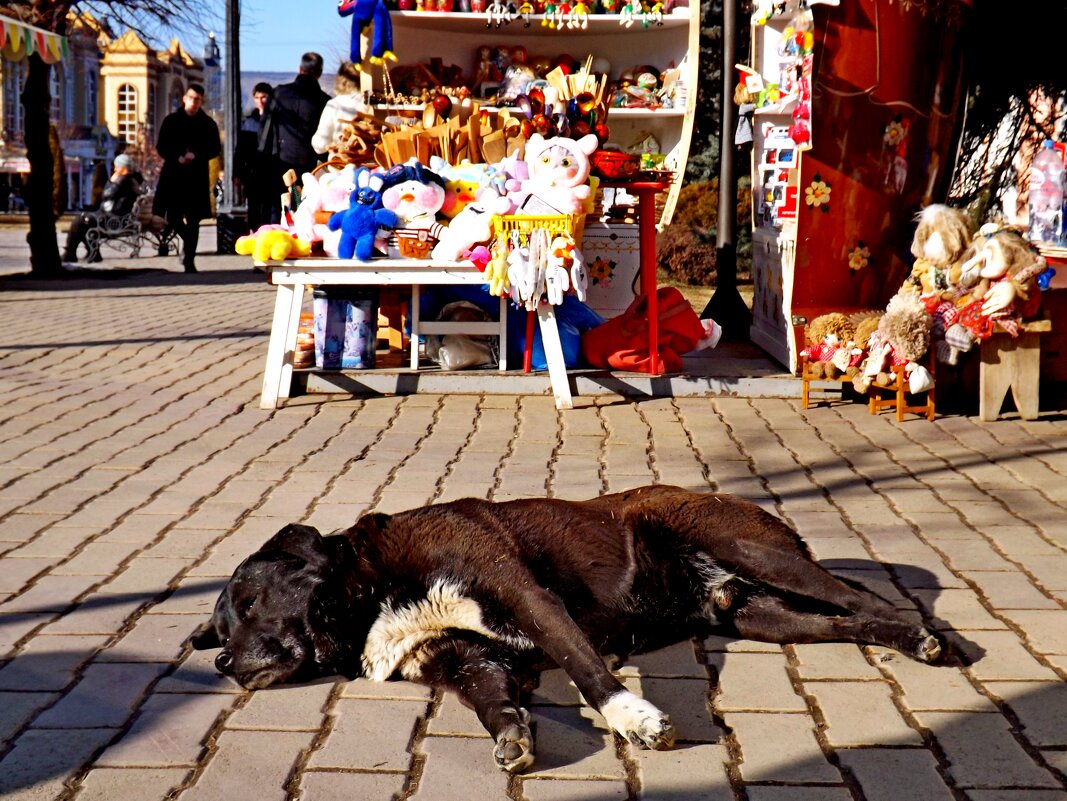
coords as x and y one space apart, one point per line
503 333
278 372
557 368
414 327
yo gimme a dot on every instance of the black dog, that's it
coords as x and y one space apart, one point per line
473 595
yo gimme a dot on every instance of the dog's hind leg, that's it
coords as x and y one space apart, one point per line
770 619
483 679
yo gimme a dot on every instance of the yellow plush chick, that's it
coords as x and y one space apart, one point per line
272 245
497 272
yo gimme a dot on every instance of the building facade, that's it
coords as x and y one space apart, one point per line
108 95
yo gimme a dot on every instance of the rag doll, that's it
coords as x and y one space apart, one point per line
901 339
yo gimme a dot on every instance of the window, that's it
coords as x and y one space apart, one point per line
14 78
150 112
127 121
56 84
91 79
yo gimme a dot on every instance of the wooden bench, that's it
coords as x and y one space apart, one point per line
897 389
129 232
1011 363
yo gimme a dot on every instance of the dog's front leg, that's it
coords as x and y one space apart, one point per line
483 678
545 620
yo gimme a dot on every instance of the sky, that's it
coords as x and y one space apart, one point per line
275 33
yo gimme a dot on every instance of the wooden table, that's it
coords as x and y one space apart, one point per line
294 276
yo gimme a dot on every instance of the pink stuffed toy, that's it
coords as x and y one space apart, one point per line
559 173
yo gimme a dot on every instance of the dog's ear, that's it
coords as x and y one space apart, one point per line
205 637
296 539
367 526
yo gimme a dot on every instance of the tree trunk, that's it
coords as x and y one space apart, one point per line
36 103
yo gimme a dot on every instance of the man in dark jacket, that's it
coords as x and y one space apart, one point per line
188 140
294 117
117 199
257 172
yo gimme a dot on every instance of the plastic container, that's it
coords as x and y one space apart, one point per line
346 328
1046 195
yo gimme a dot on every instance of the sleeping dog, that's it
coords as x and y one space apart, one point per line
474 596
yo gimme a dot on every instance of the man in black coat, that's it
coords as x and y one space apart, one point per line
188 140
256 171
294 117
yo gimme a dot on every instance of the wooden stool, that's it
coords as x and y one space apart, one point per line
898 386
823 393
1011 363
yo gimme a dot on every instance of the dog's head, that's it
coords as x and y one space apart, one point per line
289 612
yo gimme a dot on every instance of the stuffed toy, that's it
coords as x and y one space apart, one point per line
321 196
271 243
363 13
472 226
559 172
415 193
902 338
365 226
824 336
1001 273
942 235
463 182
861 344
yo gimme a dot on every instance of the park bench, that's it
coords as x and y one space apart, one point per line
130 232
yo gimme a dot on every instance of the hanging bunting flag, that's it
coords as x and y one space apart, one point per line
19 39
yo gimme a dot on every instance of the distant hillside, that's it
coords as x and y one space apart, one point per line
250 79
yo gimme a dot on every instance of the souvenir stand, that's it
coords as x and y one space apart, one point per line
858 108
652 127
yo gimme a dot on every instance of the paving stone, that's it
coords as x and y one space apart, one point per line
973 554
41 761
956 609
861 713
568 746
833 660
453 718
756 682
695 772
50 594
18 708
716 644
891 774
456 764
369 735
1045 629
288 708
573 790
105 695
981 751
779 748
1040 706
19 570
794 793
1050 570
48 663
999 655
934 686
1010 591
96 613
675 660
320 785
143 784
169 731
684 700
1016 795
400 690
250 766
153 638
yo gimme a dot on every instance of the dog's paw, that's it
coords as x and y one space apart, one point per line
514 751
928 649
639 721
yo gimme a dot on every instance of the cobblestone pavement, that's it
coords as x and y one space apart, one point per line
136 470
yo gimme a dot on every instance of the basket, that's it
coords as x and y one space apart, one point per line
573 224
414 243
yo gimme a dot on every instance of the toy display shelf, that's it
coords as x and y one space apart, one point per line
613 113
456 37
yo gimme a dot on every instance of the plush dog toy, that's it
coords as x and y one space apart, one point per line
271 243
364 225
824 336
363 13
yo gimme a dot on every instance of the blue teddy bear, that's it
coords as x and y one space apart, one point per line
364 221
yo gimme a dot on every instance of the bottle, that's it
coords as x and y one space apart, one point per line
1047 195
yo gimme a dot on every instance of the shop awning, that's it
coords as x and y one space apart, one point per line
19 39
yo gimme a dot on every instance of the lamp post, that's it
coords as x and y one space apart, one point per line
232 101
726 306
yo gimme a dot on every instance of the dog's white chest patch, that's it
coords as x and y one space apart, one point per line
399 631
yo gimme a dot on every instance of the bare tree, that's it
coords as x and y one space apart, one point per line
146 18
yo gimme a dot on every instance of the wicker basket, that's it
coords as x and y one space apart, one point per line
414 243
573 224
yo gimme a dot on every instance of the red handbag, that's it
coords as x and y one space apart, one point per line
622 342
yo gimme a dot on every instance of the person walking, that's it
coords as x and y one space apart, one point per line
117 199
188 140
257 172
294 115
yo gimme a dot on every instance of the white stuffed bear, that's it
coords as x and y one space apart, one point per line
559 172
